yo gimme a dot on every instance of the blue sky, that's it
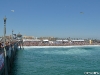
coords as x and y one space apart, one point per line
58 18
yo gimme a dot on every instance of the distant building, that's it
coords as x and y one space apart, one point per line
49 38
28 37
19 37
14 36
7 38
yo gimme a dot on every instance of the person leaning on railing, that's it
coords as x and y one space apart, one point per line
0 45
7 45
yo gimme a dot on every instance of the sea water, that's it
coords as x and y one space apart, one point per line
82 60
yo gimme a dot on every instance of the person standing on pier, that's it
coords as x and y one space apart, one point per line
0 45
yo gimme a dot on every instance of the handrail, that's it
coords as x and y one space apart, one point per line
7 47
12 47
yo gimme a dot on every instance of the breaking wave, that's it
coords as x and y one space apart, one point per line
64 50
60 46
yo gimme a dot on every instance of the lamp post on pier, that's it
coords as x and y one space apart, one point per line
12 35
5 63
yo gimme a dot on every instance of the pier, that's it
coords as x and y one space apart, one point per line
5 67
8 49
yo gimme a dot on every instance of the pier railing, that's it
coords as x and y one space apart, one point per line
10 53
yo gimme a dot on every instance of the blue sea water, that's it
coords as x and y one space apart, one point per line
57 61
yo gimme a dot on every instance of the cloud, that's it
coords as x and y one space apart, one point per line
12 10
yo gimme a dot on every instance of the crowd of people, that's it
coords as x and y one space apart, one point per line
34 43
6 45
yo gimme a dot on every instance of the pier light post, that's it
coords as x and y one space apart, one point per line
6 72
12 35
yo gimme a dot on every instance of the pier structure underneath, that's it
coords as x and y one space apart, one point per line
10 54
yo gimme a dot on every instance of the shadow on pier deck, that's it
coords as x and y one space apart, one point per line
10 54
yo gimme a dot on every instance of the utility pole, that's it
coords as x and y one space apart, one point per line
5 63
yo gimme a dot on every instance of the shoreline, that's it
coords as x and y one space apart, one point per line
60 46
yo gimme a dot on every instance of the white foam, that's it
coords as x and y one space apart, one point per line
60 46
66 52
70 51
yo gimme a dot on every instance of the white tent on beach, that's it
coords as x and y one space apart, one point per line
31 40
59 40
77 40
45 40
65 40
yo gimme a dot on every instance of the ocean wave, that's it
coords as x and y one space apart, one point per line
66 52
60 46
61 51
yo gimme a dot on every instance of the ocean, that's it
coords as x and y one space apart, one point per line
72 60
